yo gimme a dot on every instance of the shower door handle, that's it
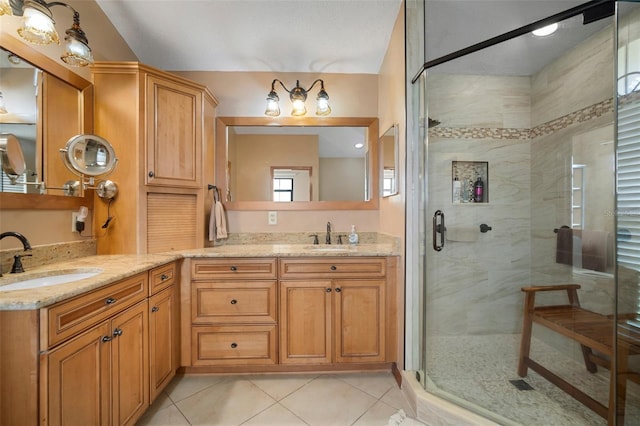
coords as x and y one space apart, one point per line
438 228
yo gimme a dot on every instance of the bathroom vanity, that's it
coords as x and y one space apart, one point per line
100 350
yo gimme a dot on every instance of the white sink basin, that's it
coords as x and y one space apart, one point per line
55 278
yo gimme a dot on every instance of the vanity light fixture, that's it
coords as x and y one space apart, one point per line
38 27
298 96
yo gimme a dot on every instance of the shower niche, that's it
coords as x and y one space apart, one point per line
470 182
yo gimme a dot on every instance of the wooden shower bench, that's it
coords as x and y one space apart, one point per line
594 332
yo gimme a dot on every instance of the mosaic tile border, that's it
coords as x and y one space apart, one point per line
580 116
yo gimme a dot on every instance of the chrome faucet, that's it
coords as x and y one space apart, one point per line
328 238
17 265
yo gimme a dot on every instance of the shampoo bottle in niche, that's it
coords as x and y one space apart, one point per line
353 236
457 190
478 190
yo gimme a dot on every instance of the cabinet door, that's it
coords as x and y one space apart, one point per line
174 134
359 320
79 380
163 329
305 322
130 364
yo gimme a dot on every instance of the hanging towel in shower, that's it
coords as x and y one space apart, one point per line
595 250
461 234
564 246
217 221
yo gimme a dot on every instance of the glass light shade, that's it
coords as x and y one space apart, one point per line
546 31
5 8
77 53
38 27
3 108
273 109
298 108
323 107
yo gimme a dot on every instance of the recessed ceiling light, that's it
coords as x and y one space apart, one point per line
359 145
545 31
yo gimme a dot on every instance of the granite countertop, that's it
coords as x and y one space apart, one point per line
117 267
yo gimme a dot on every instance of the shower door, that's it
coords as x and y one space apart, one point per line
538 135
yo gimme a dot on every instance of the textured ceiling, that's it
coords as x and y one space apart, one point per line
319 36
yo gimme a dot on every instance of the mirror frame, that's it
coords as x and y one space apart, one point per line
396 161
222 124
48 65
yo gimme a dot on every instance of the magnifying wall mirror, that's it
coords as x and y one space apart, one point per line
389 161
92 156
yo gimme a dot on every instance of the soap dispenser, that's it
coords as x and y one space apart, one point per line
353 236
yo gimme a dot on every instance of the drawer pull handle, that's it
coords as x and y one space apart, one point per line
338 289
234 301
334 267
117 332
106 339
155 309
164 277
234 345
151 174
328 290
110 301
234 268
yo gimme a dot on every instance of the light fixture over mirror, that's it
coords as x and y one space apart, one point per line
38 27
298 96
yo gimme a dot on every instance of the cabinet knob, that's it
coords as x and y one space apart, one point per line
164 277
151 174
334 267
328 290
155 309
234 268
117 332
338 289
234 301
109 301
106 339
234 345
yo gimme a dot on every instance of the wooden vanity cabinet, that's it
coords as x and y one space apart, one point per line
162 129
164 342
333 310
233 312
99 376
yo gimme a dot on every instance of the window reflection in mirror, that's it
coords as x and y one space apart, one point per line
321 163
19 87
389 161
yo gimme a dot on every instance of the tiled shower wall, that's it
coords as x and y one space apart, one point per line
525 128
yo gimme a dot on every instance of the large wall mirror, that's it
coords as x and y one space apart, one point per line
297 163
46 104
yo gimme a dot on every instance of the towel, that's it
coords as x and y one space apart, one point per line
564 246
217 221
462 234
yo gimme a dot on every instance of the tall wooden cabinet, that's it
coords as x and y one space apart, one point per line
161 127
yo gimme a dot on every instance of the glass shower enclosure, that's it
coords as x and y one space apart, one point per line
529 153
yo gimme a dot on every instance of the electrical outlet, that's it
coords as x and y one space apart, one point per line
273 218
74 219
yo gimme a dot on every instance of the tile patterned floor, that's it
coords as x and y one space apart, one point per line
359 399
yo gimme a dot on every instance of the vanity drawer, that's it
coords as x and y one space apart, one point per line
243 268
72 316
330 267
233 302
162 277
239 345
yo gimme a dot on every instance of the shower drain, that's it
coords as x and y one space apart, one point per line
521 384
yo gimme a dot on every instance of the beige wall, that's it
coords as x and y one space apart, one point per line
391 109
341 179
